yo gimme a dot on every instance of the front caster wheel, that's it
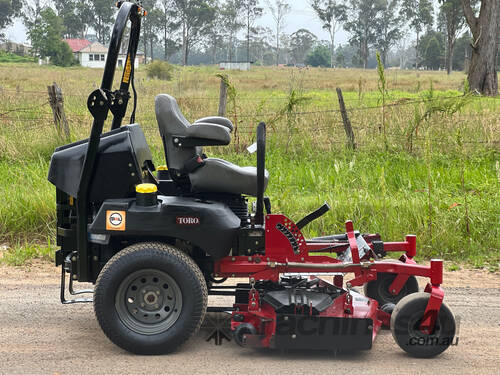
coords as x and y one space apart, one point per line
379 289
150 298
405 327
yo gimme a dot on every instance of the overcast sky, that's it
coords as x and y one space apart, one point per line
301 16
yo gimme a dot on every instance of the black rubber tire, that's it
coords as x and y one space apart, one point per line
177 265
405 322
379 289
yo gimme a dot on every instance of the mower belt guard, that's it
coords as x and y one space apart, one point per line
322 333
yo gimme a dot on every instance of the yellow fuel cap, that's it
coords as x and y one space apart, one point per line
162 168
146 188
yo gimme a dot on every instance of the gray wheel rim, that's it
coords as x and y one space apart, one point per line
148 301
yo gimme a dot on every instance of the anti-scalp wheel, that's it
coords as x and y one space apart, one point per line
405 327
379 289
150 298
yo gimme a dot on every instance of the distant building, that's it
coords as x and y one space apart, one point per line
235 65
17 48
94 54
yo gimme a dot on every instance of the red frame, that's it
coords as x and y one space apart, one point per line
280 258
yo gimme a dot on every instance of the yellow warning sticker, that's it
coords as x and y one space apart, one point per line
115 220
128 70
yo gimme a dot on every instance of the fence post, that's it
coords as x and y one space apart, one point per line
345 119
222 97
56 101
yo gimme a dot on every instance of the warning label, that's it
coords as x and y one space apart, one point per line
115 220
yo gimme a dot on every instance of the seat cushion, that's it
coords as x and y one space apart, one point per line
221 176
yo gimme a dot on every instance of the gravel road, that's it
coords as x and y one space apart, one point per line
39 335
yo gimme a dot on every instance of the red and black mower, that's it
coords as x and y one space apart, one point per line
157 242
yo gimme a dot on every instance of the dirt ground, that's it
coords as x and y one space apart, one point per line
39 335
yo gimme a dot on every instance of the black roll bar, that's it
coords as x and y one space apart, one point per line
100 102
261 170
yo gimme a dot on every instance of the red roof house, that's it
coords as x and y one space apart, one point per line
77 45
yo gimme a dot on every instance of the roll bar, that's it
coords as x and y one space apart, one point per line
261 170
100 102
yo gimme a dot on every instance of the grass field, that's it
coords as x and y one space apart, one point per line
427 160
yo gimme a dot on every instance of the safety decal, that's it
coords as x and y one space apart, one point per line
115 220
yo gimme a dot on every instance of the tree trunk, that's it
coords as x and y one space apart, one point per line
482 74
152 52
165 42
184 44
449 63
332 49
277 45
416 54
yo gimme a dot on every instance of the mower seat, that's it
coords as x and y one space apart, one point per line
183 143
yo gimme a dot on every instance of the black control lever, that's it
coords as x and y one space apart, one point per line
313 215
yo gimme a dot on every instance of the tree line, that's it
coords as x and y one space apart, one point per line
207 31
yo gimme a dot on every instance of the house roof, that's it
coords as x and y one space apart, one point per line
77 44
95 47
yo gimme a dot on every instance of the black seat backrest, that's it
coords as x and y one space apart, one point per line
172 122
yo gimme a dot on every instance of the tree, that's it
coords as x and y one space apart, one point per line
389 27
279 10
301 42
319 56
462 52
485 28
46 38
194 17
76 16
233 22
31 19
151 26
9 9
361 25
168 27
252 13
331 13
419 15
214 35
102 20
452 15
432 50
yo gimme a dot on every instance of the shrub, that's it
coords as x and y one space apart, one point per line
160 69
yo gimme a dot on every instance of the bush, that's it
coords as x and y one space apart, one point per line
319 56
63 56
160 69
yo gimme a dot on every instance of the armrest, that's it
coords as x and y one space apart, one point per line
216 120
204 134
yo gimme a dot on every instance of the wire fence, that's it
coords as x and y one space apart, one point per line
294 123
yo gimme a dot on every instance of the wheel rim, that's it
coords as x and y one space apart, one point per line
387 296
148 301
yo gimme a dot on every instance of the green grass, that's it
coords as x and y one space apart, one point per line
455 155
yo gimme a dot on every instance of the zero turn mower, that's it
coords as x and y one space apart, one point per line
156 243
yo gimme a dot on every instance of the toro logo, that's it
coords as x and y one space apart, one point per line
187 220
115 220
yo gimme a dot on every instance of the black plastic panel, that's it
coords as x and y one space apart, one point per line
323 333
209 225
122 155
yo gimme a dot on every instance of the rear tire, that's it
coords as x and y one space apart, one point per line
379 289
150 298
405 327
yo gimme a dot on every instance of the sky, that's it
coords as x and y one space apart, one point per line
301 16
